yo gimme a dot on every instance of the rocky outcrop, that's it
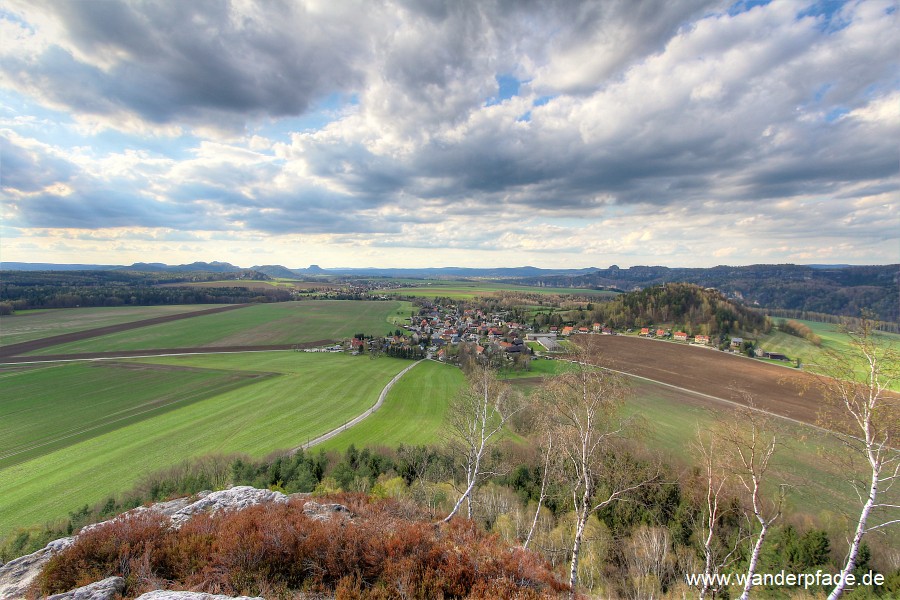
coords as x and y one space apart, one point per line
17 575
105 589
236 498
323 512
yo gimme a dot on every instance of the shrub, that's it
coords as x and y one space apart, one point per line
384 551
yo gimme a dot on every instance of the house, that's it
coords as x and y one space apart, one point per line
680 336
607 331
660 332
597 326
567 330
583 330
701 339
737 342
645 331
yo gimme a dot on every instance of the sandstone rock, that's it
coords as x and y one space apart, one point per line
17 575
105 589
323 512
236 498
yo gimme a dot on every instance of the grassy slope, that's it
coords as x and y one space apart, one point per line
672 417
35 325
50 407
314 393
412 413
279 323
833 340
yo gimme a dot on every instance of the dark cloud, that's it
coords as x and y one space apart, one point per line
25 170
195 62
645 108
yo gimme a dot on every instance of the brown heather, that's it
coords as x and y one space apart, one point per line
280 552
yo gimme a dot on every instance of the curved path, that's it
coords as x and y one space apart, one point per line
354 421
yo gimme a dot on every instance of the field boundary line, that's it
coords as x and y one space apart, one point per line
384 392
711 397
128 356
77 336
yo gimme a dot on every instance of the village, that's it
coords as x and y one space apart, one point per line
449 333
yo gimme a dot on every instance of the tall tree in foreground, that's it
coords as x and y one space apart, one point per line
718 550
857 383
475 419
585 403
750 441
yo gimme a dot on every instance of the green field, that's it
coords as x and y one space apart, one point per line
309 395
53 406
670 420
259 324
412 414
34 325
833 340
467 290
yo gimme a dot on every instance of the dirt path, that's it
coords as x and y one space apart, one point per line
354 421
33 345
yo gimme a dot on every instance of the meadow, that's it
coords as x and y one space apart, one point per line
52 406
25 326
412 414
259 324
809 461
306 395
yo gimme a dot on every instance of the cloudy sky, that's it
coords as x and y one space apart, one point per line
435 133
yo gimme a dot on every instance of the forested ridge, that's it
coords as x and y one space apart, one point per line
20 290
843 290
682 306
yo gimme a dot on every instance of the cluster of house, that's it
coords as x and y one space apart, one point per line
442 326
678 336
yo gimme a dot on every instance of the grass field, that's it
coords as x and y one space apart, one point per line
39 324
412 414
260 324
467 290
53 406
833 340
670 421
311 394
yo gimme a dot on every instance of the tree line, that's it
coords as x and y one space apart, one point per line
21 290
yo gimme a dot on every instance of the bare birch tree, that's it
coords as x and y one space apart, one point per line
857 382
549 456
750 442
715 477
586 403
475 419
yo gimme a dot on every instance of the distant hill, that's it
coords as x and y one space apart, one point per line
836 290
683 306
204 267
276 271
25 266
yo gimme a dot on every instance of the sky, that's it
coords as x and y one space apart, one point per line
428 133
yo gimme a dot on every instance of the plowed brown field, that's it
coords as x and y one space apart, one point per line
780 390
